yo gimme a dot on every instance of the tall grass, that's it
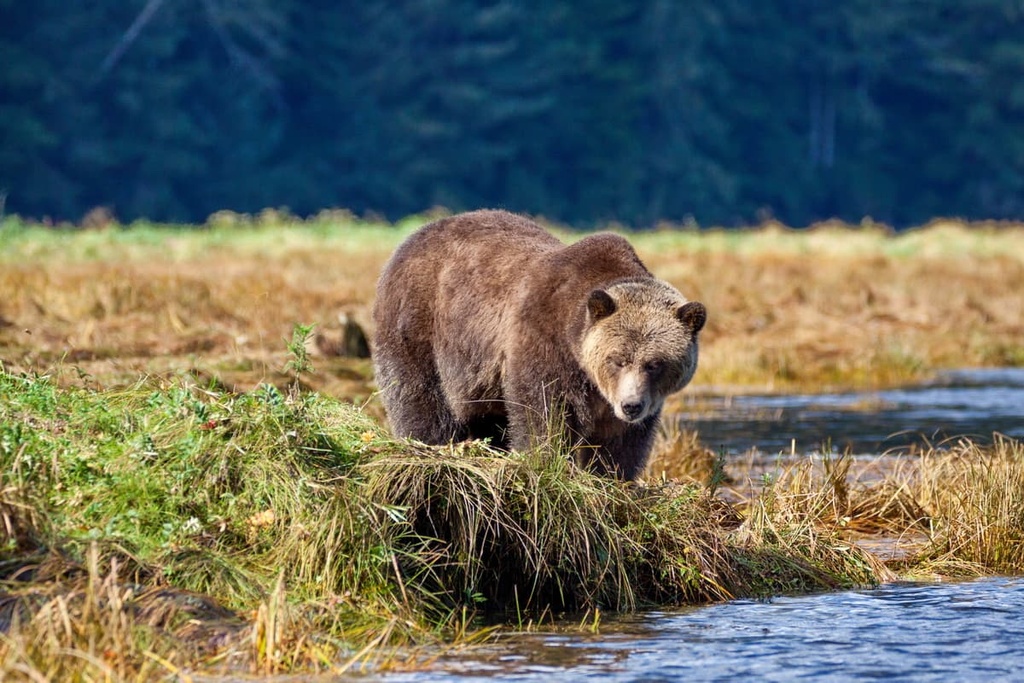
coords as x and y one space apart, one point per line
485 521
957 508
219 516
285 531
973 499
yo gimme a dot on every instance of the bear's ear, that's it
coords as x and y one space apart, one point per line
600 304
693 315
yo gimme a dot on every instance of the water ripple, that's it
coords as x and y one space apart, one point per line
972 403
969 631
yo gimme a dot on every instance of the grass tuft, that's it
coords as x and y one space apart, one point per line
803 516
480 521
974 500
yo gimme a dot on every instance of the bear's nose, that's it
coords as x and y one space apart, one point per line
633 410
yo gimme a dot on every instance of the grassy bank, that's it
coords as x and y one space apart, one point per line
168 526
278 531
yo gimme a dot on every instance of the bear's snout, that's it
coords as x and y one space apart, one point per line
633 410
632 399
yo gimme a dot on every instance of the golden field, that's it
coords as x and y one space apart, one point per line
826 307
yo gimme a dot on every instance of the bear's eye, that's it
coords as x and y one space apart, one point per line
617 361
653 367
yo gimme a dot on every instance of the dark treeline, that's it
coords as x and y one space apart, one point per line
723 111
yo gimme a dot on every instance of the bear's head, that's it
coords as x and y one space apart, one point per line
640 344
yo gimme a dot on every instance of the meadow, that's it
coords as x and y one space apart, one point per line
197 482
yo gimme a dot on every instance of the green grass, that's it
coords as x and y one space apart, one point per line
313 534
271 232
242 235
171 526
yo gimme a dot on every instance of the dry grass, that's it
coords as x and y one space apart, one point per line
972 501
94 626
118 305
953 510
811 309
678 453
850 307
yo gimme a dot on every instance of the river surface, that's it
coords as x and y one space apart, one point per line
969 631
957 631
972 403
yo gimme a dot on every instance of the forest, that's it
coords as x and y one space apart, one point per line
705 112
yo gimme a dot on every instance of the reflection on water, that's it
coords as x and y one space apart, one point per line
972 403
908 632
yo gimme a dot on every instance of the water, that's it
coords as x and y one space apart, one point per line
965 631
972 403
970 631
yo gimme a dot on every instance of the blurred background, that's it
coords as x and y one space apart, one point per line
714 112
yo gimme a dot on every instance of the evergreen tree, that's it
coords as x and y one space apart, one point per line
586 112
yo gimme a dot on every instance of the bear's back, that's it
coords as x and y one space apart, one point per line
457 276
467 237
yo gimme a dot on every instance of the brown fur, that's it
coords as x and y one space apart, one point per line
487 326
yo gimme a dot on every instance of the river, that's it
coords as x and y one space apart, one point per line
965 631
972 403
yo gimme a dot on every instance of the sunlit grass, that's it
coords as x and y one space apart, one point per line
972 499
954 509
267 235
938 239
286 531
827 307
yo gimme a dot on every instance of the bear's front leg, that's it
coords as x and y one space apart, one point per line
536 412
626 454
413 397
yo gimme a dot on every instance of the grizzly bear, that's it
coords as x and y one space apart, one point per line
487 326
